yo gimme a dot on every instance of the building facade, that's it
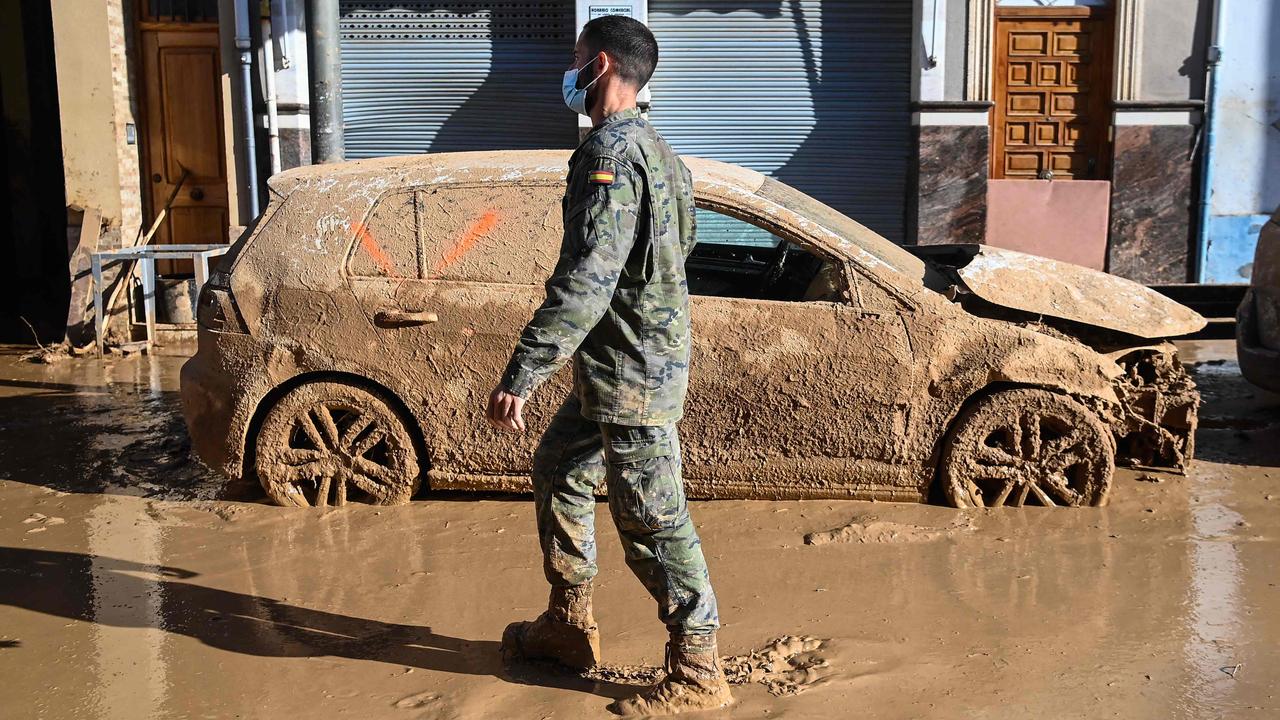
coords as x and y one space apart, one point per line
1069 128
1076 129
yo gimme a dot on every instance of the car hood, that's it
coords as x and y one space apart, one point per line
1070 292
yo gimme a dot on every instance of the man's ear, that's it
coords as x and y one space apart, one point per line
603 63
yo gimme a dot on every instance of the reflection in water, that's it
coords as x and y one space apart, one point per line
127 632
1215 596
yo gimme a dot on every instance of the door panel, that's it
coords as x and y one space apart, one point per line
458 360
441 258
795 395
184 133
792 395
189 93
198 224
1052 86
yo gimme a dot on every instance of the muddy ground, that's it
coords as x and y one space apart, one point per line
130 587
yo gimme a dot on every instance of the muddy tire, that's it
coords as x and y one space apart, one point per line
329 443
1027 446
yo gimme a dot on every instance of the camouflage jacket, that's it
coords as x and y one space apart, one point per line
618 301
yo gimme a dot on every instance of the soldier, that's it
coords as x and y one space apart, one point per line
618 305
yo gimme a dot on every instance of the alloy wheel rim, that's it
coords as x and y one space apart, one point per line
1033 455
335 448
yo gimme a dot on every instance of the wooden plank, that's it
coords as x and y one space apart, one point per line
79 330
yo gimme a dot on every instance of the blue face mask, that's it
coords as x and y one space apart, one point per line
575 97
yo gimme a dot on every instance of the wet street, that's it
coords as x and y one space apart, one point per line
136 584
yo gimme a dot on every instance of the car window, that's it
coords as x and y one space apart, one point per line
717 229
739 258
502 234
386 243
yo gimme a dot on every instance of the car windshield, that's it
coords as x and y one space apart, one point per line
849 229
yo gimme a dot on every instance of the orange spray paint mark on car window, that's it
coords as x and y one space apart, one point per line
369 245
478 229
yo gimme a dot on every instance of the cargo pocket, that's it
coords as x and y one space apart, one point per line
645 488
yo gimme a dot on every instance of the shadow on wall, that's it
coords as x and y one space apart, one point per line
479 76
486 76
1193 65
840 74
876 145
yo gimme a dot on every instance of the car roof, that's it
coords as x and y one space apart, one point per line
355 184
481 166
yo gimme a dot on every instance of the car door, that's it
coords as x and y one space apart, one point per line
800 370
447 276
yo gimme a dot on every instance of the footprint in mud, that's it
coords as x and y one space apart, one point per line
418 701
433 702
786 666
869 529
42 522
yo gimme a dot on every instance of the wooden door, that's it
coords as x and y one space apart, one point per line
1052 91
184 134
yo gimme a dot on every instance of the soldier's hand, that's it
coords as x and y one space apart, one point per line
505 410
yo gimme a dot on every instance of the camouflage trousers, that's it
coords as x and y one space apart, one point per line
647 501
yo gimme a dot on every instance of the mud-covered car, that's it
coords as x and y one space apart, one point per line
348 343
1258 319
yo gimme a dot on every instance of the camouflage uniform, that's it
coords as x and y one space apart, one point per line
618 304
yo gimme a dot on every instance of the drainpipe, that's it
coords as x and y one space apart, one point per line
1209 131
324 65
245 47
269 88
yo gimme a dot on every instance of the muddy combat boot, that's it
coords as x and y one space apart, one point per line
566 633
694 681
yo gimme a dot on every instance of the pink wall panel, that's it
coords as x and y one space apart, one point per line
1063 219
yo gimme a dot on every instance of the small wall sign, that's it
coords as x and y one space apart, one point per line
595 11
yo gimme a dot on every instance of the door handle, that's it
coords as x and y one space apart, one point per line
400 317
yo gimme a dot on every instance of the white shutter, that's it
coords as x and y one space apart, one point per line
428 76
813 93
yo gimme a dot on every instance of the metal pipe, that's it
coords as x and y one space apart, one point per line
1213 55
269 88
324 66
244 45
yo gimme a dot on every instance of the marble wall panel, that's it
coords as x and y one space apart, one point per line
1152 203
951 204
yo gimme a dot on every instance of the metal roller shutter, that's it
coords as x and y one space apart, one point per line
421 76
813 93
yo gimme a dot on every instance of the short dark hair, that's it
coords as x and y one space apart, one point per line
627 42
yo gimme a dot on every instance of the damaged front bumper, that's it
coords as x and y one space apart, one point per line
1159 408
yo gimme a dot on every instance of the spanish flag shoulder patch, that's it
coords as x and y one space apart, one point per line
603 177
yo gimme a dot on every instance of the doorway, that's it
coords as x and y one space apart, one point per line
183 142
33 211
1052 90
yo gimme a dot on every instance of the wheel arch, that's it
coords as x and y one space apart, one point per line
991 388
397 404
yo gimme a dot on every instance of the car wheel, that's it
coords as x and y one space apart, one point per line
333 440
1025 445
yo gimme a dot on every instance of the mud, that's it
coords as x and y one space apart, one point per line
156 596
1074 293
787 665
408 279
870 529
